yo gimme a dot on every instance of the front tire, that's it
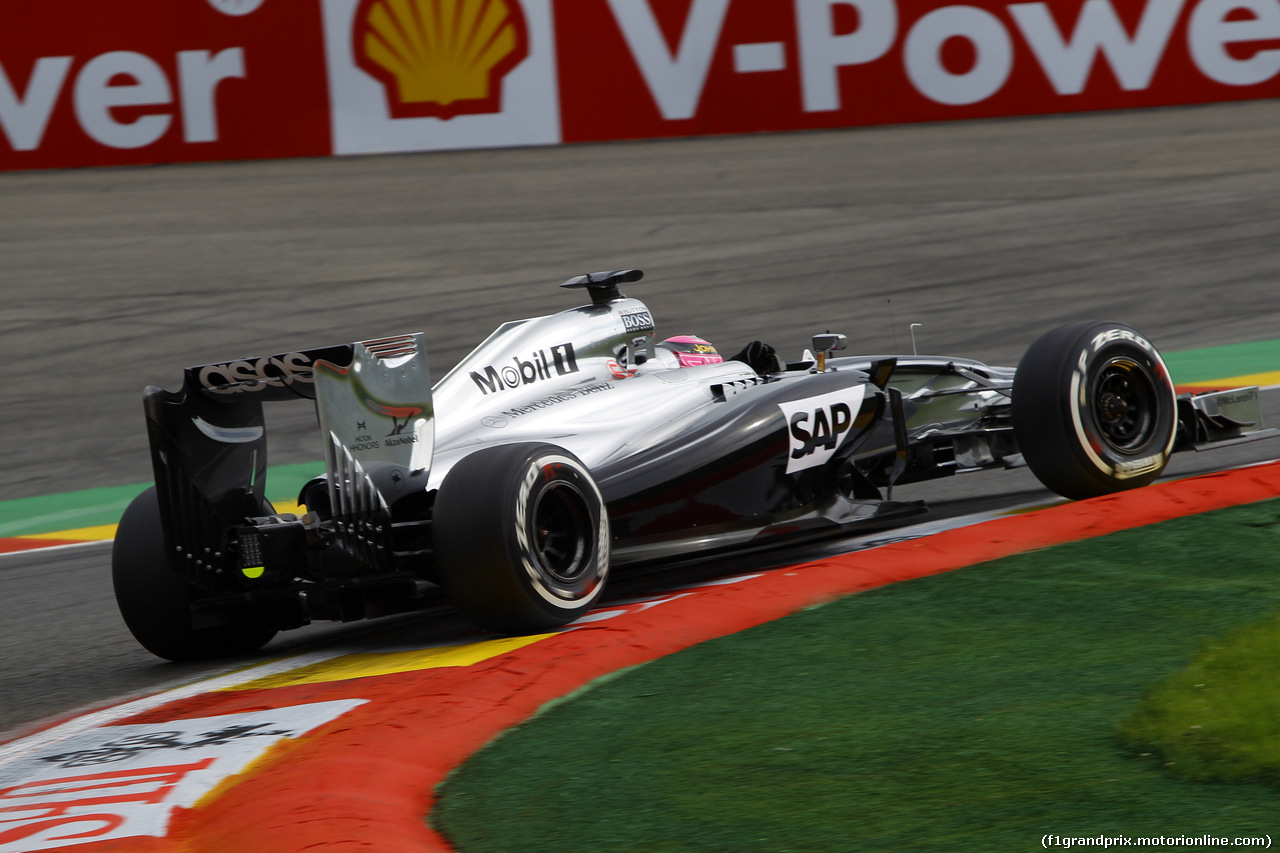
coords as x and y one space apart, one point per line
1094 410
521 537
156 603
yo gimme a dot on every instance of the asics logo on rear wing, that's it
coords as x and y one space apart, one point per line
284 370
287 375
236 377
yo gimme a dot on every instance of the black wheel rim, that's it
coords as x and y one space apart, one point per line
562 533
1125 404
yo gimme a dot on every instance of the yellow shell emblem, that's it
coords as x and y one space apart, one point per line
440 58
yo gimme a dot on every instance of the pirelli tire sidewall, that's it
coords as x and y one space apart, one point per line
521 537
1094 409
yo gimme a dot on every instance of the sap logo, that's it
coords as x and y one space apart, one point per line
817 425
538 367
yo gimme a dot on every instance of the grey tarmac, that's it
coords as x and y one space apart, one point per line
985 233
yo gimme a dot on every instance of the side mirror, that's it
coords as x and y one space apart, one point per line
823 344
829 342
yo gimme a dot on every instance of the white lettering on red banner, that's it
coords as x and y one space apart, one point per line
99 92
1067 61
125 781
729 66
86 83
154 81
823 51
676 81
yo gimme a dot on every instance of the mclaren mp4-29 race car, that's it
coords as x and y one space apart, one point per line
568 446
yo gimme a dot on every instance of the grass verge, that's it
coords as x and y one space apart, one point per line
1218 719
971 711
93 507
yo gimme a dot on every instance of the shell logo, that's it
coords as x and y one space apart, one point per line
440 58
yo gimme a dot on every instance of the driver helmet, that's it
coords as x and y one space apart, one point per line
689 351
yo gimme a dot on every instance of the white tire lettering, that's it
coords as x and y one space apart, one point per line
600 557
1125 469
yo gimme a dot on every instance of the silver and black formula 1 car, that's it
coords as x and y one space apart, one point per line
568 445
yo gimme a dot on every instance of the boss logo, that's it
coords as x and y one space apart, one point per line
560 360
817 425
637 321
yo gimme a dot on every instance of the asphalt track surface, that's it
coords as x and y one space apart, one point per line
987 233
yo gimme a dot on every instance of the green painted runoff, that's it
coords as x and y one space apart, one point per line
93 507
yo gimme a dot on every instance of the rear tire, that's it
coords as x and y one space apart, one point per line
521 537
1094 410
156 603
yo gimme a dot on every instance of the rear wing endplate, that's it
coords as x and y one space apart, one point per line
209 446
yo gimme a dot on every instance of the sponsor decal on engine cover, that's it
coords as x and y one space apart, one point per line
637 320
817 425
559 360
553 400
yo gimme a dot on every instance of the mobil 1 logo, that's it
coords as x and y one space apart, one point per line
538 367
817 425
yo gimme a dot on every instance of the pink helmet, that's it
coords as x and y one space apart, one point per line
691 351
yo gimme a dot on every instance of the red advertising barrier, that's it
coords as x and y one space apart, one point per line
684 67
135 81
89 83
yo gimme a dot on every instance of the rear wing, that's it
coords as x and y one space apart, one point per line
209 445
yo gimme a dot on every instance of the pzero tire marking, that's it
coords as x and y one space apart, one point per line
1094 410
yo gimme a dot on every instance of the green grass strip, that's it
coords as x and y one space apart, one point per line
975 710
93 507
1207 365
52 513
1219 719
